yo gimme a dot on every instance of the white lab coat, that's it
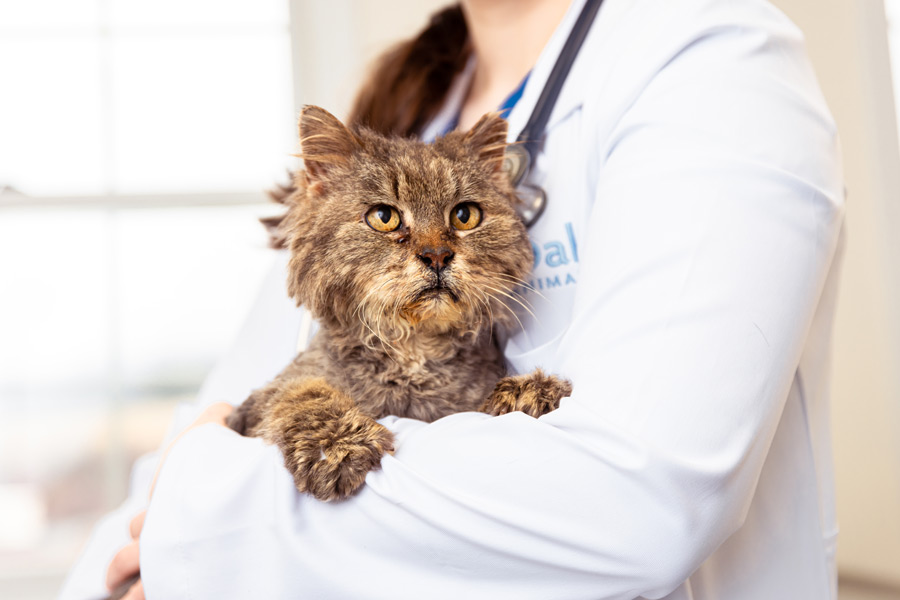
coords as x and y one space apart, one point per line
687 261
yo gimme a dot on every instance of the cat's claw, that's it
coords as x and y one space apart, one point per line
332 463
534 393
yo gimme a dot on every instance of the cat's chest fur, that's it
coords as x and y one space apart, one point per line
421 378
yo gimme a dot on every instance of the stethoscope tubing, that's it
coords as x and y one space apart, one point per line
521 155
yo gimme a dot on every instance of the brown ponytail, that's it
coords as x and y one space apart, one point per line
403 93
410 82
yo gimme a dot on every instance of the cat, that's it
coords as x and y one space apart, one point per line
408 255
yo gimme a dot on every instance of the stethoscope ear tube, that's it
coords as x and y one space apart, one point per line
520 156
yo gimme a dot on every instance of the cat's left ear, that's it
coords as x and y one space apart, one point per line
325 143
487 139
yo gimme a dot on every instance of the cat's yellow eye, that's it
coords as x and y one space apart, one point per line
465 216
383 218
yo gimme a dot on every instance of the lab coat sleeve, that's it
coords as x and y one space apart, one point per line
257 355
718 208
87 578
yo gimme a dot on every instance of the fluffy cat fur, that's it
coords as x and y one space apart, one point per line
409 318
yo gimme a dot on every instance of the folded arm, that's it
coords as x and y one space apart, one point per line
716 217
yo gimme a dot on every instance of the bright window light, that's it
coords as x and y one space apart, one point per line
136 139
134 97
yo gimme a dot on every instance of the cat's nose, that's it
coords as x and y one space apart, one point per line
436 258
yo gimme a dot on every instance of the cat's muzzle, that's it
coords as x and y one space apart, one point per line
439 290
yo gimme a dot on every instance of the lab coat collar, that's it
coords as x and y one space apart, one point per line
572 95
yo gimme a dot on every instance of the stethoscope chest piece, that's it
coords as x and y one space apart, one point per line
516 163
532 201
519 156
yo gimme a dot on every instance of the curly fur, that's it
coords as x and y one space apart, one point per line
397 336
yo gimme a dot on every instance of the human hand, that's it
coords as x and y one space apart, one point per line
123 574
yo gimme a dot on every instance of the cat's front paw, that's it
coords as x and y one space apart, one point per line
331 462
534 394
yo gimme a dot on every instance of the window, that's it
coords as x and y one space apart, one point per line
132 97
137 138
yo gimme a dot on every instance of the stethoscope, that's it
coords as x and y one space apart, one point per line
520 156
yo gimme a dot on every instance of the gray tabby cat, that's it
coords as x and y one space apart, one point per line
407 254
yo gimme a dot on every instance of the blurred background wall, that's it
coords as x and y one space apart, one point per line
850 42
135 140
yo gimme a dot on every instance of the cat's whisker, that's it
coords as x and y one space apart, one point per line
518 282
509 277
385 344
397 309
514 299
399 327
484 301
529 288
510 310
376 331
369 294
521 299
479 300
365 323
487 305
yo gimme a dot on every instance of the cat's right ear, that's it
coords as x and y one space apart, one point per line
487 138
325 143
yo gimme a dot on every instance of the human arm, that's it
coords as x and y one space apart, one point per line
265 343
713 230
123 574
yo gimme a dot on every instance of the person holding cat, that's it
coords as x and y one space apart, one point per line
687 267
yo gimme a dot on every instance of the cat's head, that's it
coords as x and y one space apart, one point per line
401 236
